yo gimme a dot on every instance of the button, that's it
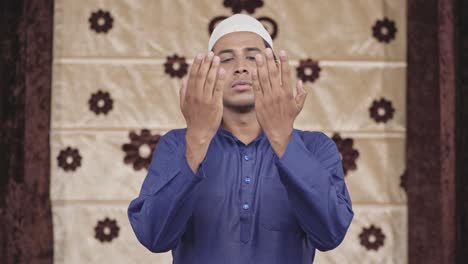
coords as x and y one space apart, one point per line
247 157
247 180
245 206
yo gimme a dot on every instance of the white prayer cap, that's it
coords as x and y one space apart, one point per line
239 22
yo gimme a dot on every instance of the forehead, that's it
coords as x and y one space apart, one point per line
238 41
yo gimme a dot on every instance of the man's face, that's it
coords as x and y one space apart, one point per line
237 52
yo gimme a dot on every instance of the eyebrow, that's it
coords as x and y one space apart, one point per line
248 49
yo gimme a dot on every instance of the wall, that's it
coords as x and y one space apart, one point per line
115 90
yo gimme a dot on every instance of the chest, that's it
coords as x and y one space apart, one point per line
244 185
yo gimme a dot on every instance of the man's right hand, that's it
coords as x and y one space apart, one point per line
201 103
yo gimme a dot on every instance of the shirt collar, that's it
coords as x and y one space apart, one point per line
225 133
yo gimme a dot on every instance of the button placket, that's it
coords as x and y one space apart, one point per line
247 163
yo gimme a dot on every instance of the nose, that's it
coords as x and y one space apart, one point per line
241 67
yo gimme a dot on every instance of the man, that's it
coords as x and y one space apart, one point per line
239 184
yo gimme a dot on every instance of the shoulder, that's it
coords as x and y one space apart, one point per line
318 143
177 133
315 139
174 137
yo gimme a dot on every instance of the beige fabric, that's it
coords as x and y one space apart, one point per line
326 30
350 89
392 220
128 62
74 224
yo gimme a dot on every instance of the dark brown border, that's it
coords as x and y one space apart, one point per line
25 61
430 138
26 234
462 131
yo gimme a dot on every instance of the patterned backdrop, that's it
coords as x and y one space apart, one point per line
117 71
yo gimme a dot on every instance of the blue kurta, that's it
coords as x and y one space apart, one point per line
244 204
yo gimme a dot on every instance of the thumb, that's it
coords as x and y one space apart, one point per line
182 91
300 96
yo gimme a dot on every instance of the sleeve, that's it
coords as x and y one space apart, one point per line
160 213
312 173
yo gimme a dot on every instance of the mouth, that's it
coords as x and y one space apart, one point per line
241 85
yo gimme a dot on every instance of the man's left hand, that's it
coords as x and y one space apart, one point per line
275 104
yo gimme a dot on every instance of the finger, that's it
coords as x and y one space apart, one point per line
211 77
220 83
256 85
203 71
273 70
300 96
191 82
263 74
285 70
182 91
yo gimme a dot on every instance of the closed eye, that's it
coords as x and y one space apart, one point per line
225 60
252 58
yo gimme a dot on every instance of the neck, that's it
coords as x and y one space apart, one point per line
243 125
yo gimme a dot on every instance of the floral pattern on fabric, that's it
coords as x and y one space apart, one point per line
308 70
100 103
404 180
238 5
348 154
101 21
372 238
384 30
139 151
381 110
69 159
270 25
106 230
176 66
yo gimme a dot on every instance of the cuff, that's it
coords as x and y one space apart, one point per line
187 170
298 161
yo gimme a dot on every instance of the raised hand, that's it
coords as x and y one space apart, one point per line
201 103
275 104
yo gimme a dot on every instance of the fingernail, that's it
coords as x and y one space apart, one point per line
269 52
216 60
282 53
210 54
199 57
